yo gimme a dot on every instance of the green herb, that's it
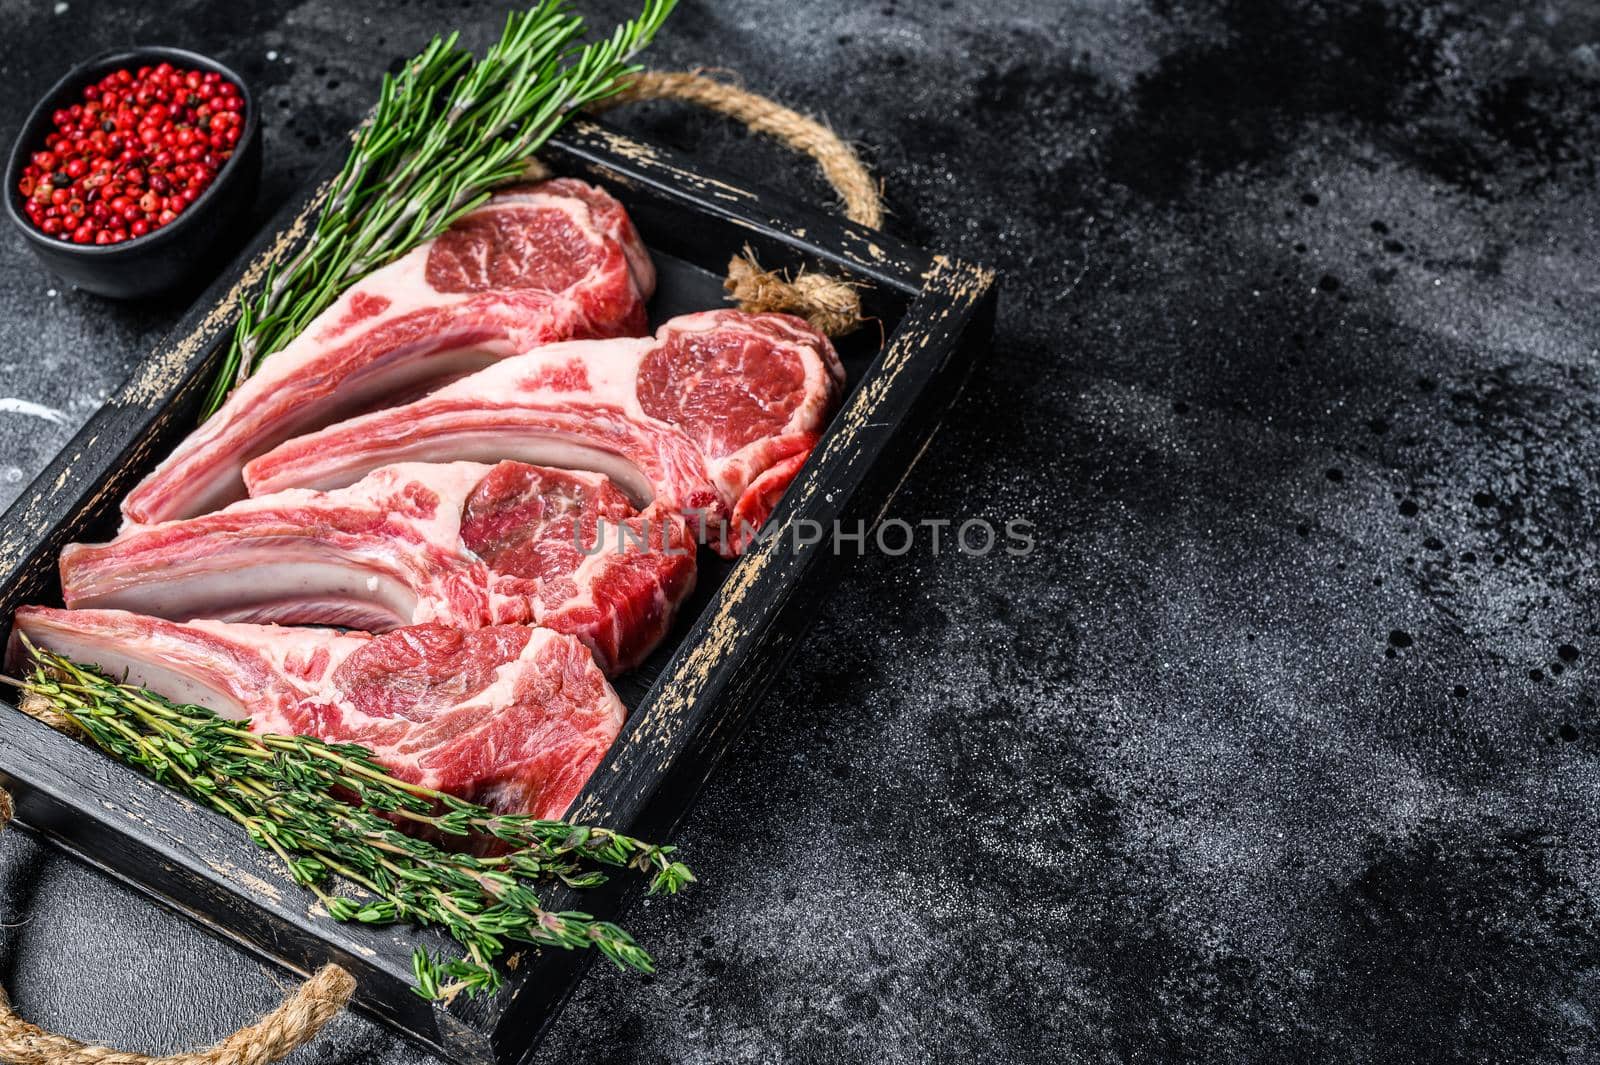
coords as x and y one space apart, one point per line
445 132
292 795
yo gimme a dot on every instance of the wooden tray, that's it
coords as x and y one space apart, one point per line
687 703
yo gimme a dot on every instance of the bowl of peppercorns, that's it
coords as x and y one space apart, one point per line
133 171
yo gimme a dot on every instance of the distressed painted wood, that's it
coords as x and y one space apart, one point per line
688 703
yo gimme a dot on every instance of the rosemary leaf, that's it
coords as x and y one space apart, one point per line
445 132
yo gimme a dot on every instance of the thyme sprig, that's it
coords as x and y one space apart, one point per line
445 132
328 811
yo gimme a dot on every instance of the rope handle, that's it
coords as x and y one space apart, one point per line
840 164
832 306
293 1024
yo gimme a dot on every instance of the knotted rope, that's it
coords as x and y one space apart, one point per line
831 305
293 1024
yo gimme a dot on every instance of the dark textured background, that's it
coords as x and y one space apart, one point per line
1284 742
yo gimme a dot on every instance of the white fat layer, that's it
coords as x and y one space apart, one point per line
237 589
405 377
554 451
161 677
330 611
611 369
452 482
146 661
225 485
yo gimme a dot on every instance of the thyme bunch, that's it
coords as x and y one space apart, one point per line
445 132
328 810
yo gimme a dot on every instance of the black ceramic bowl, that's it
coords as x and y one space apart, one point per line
163 259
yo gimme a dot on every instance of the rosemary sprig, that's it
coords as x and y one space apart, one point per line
445 132
292 796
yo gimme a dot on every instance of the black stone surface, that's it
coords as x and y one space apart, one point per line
1282 744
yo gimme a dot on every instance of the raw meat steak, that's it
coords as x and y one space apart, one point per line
512 717
712 418
554 261
460 544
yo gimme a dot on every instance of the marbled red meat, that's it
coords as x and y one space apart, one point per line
534 265
712 418
512 717
461 544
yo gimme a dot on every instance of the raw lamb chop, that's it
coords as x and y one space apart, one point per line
461 544
512 717
712 418
555 261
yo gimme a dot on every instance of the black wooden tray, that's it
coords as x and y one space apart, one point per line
932 316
